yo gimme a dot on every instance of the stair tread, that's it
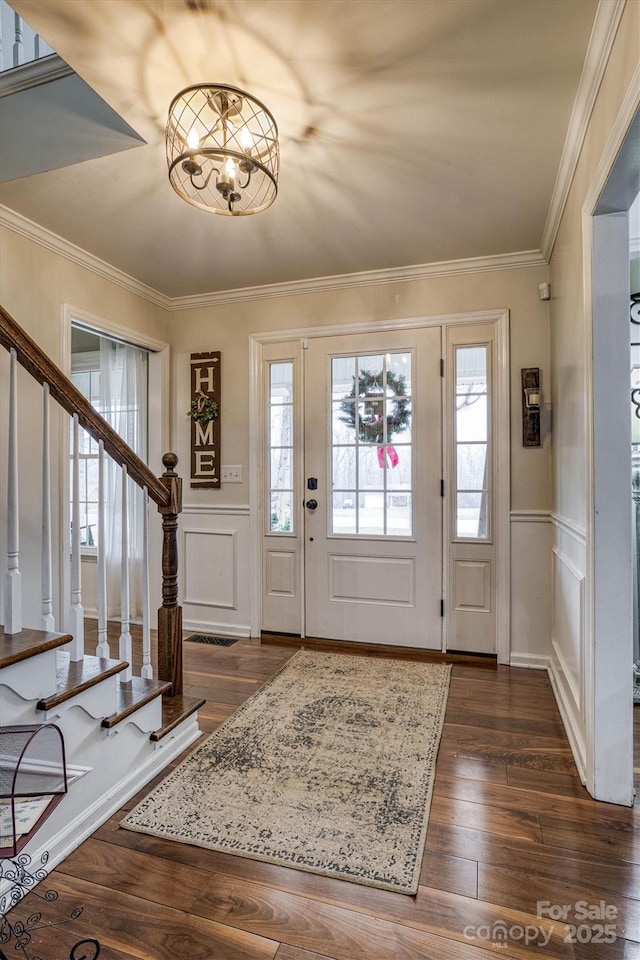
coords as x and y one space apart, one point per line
74 676
174 711
15 647
132 695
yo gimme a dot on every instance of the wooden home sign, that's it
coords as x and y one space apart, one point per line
205 420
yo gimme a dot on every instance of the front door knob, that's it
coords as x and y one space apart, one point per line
312 504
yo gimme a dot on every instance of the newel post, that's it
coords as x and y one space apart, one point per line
170 614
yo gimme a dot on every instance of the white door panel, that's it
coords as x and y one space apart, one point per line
373 543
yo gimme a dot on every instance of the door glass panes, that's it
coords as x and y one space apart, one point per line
371 475
281 455
471 429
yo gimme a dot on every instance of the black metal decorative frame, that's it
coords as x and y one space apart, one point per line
18 935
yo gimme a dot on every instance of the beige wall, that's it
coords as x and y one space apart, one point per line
568 316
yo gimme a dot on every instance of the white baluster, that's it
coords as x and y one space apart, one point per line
13 578
18 46
102 649
36 46
147 669
125 651
1 45
77 612
48 620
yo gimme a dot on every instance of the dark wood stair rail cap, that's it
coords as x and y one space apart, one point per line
37 363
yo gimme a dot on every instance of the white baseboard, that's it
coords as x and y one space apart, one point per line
534 661
242 632
77 830
576 742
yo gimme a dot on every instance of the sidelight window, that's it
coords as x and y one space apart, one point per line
472 449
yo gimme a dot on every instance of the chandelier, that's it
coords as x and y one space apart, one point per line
222 150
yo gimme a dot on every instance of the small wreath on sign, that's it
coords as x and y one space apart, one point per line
203 409
369 388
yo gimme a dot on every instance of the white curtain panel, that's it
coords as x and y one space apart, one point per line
123 399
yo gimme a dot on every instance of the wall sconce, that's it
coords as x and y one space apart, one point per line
531 403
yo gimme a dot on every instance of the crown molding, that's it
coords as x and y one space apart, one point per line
33 74
448 268
422 271
603 33
51 241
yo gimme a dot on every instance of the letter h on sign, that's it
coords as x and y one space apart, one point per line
205 433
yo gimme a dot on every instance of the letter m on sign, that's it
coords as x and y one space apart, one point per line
205 435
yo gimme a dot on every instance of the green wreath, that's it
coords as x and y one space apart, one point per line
369 388
203 409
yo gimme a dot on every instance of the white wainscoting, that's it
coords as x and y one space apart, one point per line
567 639
531 543
568 668
215 569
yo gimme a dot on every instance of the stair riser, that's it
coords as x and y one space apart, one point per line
15 710
88 743
32 679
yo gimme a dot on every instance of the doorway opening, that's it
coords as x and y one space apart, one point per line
610 720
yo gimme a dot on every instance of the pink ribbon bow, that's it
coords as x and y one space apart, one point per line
389 451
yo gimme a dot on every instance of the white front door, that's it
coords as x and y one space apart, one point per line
372 475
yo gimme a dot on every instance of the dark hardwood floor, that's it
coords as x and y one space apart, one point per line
513 840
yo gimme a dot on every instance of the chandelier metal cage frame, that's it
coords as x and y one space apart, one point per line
222 150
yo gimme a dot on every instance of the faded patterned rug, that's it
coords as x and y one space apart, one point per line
328 768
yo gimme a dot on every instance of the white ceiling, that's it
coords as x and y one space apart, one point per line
412 131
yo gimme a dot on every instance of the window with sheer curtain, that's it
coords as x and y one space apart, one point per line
114 378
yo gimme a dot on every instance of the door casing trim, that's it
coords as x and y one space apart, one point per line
499 317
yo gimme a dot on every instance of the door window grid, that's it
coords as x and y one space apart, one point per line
371 462
281 447
471 442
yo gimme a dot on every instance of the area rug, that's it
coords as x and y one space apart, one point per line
328 768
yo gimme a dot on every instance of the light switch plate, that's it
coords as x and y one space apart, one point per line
231 474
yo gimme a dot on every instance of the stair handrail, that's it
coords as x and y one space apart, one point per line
36 362
165 491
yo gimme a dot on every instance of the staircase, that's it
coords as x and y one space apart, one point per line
117 735
119 730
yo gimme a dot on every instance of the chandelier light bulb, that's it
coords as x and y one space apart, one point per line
193 140
246 140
